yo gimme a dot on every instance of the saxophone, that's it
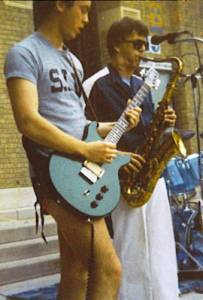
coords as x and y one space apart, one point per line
160 146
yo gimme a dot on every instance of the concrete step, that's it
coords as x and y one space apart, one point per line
13 231
17 214
23 253
29 268
17 203
15 198
29 248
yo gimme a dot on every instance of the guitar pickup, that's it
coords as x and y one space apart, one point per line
91 171
87 174
94 168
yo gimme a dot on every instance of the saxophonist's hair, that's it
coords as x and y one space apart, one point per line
119 30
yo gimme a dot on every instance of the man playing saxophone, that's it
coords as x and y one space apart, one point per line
143 237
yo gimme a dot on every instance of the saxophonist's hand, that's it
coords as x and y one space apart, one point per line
169 117
135 164
133 116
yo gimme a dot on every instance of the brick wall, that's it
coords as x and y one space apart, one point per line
15 24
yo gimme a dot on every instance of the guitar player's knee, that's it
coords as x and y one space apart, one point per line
109 269
113 271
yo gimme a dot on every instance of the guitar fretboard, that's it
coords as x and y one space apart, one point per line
122 124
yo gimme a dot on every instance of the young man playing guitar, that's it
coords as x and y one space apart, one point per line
49 112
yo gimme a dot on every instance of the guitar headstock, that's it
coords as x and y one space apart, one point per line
151 77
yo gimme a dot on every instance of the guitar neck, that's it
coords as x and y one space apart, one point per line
122 124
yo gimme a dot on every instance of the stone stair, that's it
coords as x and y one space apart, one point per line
16 204
24 256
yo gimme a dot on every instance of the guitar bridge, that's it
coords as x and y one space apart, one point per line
91 171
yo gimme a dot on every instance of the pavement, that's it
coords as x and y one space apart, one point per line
192 296
48 284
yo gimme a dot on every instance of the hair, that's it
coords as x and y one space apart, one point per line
119 30
43 8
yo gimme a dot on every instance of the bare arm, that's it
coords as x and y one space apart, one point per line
24 101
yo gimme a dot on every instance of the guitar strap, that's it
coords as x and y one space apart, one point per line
88 103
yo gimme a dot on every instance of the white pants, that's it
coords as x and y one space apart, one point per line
144 241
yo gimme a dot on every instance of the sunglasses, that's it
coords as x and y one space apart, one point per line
138 44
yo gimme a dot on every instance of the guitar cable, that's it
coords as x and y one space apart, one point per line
90 261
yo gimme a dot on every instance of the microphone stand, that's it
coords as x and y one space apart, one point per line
194 79
190 39
195 40
196 98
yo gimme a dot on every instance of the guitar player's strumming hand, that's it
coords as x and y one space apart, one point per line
100 152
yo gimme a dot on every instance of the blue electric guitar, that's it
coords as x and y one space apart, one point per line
91 188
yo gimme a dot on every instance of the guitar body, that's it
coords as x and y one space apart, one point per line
92 199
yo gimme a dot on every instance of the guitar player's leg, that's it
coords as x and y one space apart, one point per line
74 240
107 267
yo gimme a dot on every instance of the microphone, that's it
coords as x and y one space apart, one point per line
169 37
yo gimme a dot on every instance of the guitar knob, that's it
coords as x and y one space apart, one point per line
94 204
99 197
104 189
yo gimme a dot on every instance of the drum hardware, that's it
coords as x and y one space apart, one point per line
194 77
181 180
188 239
186 212
197 75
